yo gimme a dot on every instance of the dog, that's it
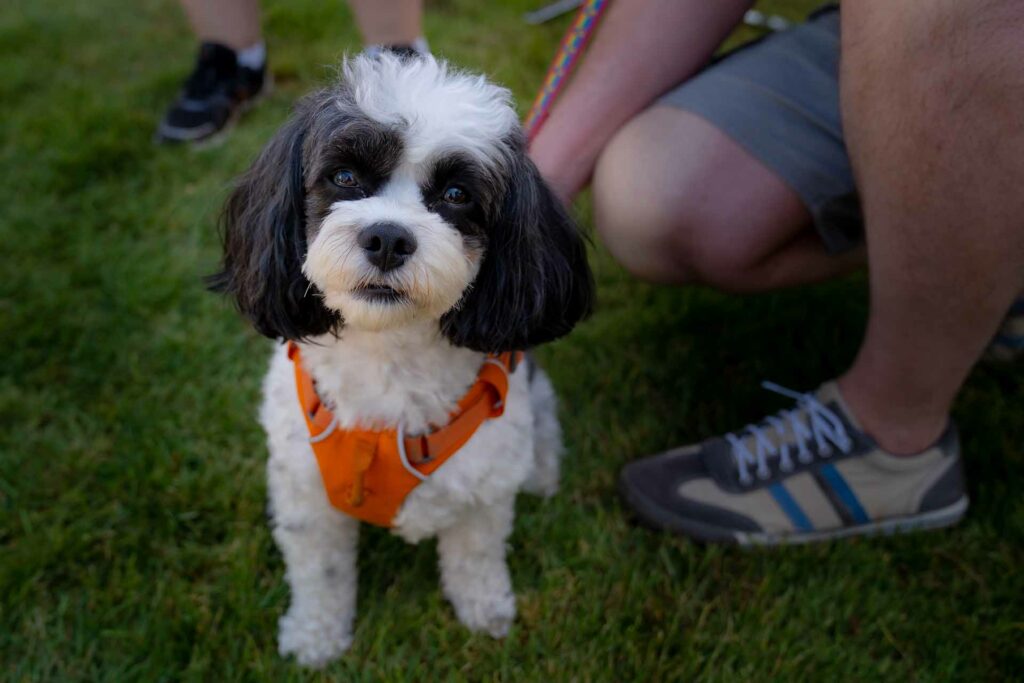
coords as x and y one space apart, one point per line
396 235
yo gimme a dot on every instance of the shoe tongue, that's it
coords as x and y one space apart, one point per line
217 58
721 463
216 65
828 394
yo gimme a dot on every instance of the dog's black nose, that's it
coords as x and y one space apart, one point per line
387 245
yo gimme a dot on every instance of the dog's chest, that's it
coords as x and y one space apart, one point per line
385 384
379 390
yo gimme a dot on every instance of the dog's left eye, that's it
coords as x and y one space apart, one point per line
345 178
454 194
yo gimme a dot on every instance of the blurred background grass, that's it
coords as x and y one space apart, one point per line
133 544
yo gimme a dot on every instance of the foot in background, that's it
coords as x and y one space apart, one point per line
223 84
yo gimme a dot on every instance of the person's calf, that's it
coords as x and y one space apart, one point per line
937 151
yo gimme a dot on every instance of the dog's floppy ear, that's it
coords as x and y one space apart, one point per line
534 283
264 234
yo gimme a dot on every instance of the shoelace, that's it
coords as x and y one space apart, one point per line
825 427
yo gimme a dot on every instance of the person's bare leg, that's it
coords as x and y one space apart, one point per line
234 23
389 22
932 95
677 200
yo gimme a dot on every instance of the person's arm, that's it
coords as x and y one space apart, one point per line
641 49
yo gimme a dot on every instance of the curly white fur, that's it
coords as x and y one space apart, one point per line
443 108
413 377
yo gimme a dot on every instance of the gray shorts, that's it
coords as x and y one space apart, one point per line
778 97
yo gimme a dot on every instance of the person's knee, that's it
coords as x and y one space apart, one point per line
673 249
676 200
644 240
640 223
663 234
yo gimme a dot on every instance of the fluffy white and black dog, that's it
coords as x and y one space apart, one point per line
396 230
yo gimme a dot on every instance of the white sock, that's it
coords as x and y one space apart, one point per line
421 46
253 57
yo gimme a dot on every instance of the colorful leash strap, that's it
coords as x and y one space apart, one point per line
572 46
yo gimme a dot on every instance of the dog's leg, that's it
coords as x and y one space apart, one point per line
547 437
474 575
319 545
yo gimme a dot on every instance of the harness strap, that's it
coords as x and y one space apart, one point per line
483 401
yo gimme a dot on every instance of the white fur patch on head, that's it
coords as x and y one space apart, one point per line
431 282
439 108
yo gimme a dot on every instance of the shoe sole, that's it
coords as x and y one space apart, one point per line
656 517
924 521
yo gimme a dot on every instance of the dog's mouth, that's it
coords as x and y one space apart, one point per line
381 294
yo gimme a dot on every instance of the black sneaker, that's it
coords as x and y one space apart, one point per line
214 95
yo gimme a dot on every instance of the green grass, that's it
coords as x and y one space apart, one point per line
133 544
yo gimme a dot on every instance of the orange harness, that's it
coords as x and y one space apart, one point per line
368 473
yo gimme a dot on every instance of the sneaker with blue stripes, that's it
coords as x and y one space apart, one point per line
1008 343
805 474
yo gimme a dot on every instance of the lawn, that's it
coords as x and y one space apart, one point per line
133 541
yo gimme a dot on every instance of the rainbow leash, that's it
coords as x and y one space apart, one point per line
569 51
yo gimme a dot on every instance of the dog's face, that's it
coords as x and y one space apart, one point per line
404 193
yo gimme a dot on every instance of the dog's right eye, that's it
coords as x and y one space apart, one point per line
345 178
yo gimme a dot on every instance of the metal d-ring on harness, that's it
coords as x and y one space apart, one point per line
327 432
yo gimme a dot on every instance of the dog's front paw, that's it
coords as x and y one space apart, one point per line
314 639
492 615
